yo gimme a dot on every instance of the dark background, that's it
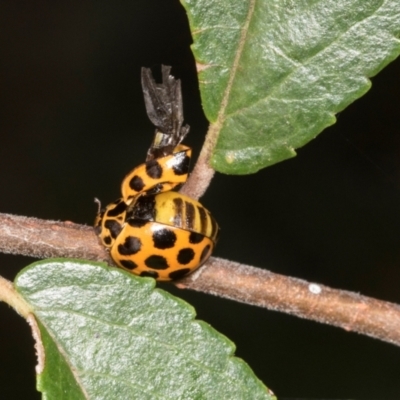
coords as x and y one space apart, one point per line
73 124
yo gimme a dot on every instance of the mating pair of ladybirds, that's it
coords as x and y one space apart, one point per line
153 230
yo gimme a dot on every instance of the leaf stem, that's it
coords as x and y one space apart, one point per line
243 283
202 174
9 295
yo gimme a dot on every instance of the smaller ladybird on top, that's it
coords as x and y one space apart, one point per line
153 230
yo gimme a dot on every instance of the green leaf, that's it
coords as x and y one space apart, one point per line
274 73
57 380
110 335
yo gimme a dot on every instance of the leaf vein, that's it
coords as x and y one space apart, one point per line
144 336
286 78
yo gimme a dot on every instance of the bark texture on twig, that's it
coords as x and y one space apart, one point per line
250 285
44 239
202 173
243 283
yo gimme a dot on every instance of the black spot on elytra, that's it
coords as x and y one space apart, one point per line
178 204
119 209
185 256
107 240
181 163
203 219
190 215
205 253
131 246
136 183
154 169
164 239
195 237
214 226
114 227
128 264
156 262
180 273
137 223
151 274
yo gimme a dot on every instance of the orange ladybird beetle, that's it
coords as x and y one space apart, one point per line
153 230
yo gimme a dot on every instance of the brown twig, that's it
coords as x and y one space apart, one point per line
243 283
44 239
202 173
250 285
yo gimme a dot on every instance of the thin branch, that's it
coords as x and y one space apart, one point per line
202 173
44 239
243 283
344 309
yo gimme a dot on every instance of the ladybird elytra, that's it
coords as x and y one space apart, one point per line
161 249
175 209
168 172
153 230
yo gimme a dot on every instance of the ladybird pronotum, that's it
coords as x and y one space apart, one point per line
152 230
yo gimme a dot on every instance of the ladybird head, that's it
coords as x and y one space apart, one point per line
109 221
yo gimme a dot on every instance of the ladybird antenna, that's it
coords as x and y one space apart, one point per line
165 110
98 202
